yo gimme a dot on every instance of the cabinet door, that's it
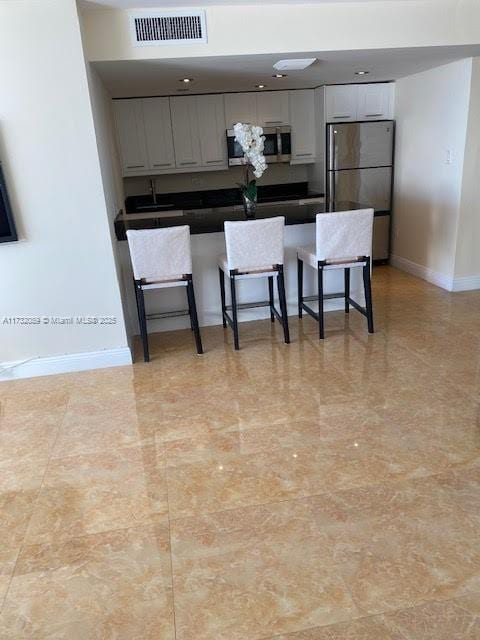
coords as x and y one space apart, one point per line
302 116
272 108
341 103
186 138
158 130
375 101
212 130
131 135
240 107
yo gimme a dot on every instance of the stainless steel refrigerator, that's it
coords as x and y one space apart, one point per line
360 169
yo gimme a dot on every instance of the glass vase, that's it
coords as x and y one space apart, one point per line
249 205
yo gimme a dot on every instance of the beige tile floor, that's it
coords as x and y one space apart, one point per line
304 492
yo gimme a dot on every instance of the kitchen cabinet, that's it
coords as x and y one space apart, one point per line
273 108
240 107
302 119
341 103
158 131
131 136
352 102
375 101
212 128
186 138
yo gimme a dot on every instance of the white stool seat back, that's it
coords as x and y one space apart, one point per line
253 245
160 254
344 234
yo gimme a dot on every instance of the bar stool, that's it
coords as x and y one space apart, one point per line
162 258
344 241
254 250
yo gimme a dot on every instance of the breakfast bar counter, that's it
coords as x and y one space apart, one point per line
208 242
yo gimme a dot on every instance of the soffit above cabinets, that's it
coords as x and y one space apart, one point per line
223 74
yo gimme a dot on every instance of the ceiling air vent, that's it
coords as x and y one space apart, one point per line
151 28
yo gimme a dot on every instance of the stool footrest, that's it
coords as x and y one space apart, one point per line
166 314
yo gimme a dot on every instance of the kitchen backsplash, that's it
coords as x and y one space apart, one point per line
279 173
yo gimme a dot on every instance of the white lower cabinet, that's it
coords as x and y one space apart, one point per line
130 126
212 131
302 117
158 131
186 138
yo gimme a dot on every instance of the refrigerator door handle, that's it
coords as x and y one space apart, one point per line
331 187
331 148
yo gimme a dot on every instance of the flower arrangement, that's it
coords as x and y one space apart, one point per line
252 141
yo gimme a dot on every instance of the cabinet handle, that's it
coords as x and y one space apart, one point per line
162 164
185 163
303 155
347 115
273 121
213 161
374 115
135 166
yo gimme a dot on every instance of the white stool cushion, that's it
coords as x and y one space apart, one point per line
160 254
252 244
257 272
344 234
308 255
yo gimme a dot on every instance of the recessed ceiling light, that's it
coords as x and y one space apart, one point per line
279 75
186 80
260 86
361 73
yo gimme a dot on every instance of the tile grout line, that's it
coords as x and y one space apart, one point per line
170 543
23 544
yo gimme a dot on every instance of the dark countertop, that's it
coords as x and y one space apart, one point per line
208 199
212 220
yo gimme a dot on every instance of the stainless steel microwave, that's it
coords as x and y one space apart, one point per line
278 146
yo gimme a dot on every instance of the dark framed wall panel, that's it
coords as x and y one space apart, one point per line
8 232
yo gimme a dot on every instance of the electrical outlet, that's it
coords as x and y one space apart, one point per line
449 157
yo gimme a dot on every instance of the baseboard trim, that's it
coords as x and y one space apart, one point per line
467 283
65 363
418 270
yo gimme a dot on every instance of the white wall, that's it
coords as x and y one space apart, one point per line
432 112
328 26
467 262
63 264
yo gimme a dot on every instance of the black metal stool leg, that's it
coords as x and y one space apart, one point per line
367 283
234 312
222 295
300 286
270 296
142 320
321 328
193 315
283 304
347 289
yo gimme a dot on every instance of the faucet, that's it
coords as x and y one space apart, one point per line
153 190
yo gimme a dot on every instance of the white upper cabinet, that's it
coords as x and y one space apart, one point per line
341 103
131 136
186 137
350 102
302 119
158 130
272 108
375 101
212 131
240 107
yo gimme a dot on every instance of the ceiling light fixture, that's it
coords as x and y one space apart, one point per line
361 73
279 75
260 86
293 64
186 80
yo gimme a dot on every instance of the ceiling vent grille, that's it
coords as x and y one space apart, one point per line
173 27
